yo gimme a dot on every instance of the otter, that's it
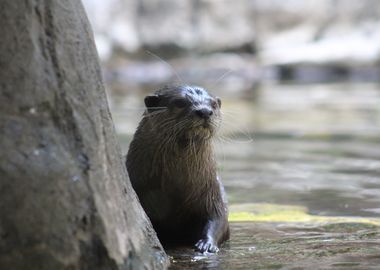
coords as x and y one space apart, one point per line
172 168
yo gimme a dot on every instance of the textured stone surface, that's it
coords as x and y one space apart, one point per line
66 201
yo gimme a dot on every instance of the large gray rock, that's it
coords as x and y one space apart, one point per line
65 199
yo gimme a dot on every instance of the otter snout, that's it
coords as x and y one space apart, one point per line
203 113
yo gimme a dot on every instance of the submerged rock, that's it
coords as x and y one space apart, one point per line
66 201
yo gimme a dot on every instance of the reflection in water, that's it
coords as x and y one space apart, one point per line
316 147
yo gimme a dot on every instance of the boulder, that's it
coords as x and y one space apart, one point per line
66 201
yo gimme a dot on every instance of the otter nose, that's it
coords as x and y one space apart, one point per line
203 113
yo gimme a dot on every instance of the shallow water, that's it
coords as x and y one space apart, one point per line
301 167
290 246
327 176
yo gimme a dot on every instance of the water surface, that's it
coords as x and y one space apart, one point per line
301 167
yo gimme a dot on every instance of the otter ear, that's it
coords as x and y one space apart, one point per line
151 102
219 102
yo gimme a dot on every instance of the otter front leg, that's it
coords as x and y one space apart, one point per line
214 232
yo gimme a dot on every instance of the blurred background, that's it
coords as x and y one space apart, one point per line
299 81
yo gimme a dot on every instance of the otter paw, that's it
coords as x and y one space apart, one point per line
206 245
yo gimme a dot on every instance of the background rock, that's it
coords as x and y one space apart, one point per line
342 32
66 202
170 27
301 41
280 32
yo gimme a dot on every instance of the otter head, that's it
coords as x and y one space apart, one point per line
190 112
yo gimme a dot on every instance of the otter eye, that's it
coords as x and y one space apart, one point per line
180 103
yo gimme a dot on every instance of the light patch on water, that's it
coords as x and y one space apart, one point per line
198 258
373 210
287 213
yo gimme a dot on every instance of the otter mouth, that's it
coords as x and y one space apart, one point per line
199 130
204 126
206 123
204 130
196 135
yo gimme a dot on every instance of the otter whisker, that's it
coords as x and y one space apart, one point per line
167 64
226 139
238 135
238 131
221 77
